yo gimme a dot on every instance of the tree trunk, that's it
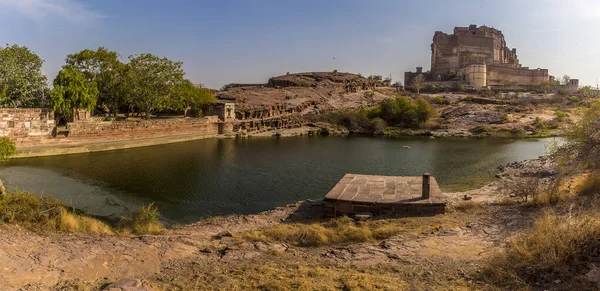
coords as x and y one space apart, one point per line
148 113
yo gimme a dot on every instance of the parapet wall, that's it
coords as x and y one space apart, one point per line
124 130
500 75
22 123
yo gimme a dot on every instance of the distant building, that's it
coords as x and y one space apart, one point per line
477 56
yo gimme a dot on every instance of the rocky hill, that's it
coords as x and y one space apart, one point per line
304 93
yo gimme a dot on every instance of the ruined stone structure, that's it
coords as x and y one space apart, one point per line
26 124
225 111
477 56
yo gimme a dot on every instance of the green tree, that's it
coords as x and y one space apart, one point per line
546 85
189 96
22 83
153 80
104 68
72 92
423 110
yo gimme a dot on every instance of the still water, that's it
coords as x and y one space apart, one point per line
192 180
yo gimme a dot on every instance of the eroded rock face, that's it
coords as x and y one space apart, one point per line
473 114
305 93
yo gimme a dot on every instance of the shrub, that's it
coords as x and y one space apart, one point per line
539 123
517 131
591 185
574 99
522 187
47 213
404 113
378 125
7 148
582 139
441 100
560 114
558 247
143 220
480 129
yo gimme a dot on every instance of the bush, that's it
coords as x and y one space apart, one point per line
404 113
574 99
480 129
7 148
591 185
560 115
143 220
582 140
539 123
378 126
441 100
47 213
522 187
558 247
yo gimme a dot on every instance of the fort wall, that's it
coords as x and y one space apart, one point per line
499 75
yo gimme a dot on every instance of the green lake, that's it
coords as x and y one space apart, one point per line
193 180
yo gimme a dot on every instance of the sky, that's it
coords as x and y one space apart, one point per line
249 41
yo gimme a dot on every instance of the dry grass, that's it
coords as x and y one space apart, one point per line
143 221
47 213
344 230
558 247
466 206
71 222
44 213
293 272
590 185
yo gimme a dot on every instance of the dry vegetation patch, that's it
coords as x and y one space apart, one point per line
46 213
559 247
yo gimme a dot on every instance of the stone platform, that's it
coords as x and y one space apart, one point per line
385 195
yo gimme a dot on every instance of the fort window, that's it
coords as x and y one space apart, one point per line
11 124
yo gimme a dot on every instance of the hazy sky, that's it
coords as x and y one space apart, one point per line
223 41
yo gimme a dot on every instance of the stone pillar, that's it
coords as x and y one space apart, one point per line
426 185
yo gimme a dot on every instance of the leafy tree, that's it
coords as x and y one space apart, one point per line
22 83
546 85
418 82
188 96
153 81
104 68
376 77
72 92
423 110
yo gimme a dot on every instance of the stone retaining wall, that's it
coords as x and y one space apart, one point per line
124 130
22 124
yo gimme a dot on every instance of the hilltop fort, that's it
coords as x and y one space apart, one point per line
477 56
